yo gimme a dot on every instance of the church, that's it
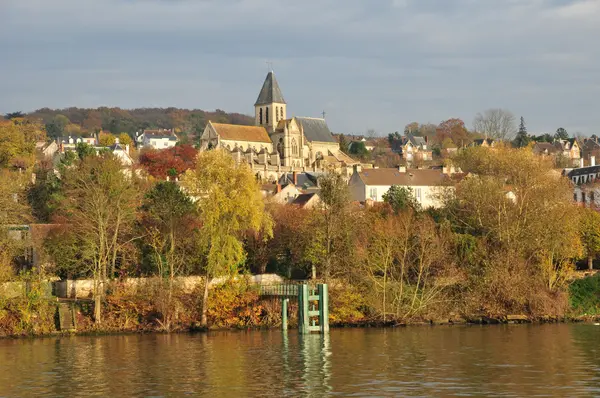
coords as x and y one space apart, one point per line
276 144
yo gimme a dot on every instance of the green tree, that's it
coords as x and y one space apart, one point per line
229 202
522 138
561 134
83 150
590 235
343 143
358 148
56 127
14 115
401 198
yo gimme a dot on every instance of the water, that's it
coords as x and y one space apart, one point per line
513 360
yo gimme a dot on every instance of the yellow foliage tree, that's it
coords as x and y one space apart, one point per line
106 139
229 203
125 139
17 142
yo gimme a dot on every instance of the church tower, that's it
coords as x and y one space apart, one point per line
270 107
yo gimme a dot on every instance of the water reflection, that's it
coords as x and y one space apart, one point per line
550 360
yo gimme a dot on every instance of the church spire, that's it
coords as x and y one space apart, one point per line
270 92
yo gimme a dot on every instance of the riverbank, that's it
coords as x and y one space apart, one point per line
233 306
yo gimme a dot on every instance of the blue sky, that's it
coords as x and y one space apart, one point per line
370 64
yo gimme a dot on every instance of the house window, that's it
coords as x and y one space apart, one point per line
281 112
575 197
267 115
418 194
592 197
165 143
583 198
373 193
294 147
260 116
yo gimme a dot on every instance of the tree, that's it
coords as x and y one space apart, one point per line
359 149
125 139
401 198
561 134
330 243
170 162
106 139
14 115
522 139
393 137
83 150
100 206
590 235
229 202
343 143
495 123
169 221
17 142
455 130
56 128
412 128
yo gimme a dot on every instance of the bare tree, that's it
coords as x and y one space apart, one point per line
496 123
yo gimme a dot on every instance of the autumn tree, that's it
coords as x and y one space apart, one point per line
169 162
125 139
106 139
100 206
56 127
590 235
496 123
229 203
330 227
518 206
455 130
17 142
14 210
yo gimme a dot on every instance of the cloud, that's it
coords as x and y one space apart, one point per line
379 64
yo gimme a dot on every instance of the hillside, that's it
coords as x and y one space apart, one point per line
76 121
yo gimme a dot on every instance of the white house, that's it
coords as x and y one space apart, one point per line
157 139
122 153
426 184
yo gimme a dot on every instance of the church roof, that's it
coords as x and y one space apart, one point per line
316 129
270 92
234 132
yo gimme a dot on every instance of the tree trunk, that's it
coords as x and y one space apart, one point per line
313 272
590 262
98 303
204 318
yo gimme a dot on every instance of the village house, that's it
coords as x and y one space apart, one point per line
46 149
566 149
156 139
277 144
413 148
427 184
484 142
586 190
307 200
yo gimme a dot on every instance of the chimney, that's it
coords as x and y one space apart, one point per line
295 176
402 169
278 187
592 160
357 168
581 162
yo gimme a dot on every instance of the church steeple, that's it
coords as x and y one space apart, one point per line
270 107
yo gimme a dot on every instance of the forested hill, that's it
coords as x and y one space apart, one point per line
75 121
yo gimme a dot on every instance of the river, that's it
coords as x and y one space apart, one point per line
509 360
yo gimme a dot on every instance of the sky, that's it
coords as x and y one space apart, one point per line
369 64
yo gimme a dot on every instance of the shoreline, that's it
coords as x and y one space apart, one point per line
363 325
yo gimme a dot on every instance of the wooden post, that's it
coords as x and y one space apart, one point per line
284 314
323 307
303 319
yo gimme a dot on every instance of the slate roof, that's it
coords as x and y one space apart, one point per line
270 92
305 180
583 171
416 177
234 132
541 147
158 134
316 129
302 199
417 141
